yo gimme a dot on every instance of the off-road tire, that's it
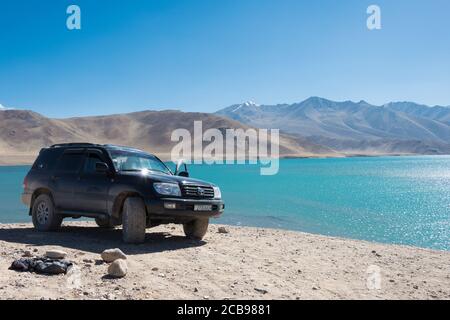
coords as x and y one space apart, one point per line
134 220
43 214
196 229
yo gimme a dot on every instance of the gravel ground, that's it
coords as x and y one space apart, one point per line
246 263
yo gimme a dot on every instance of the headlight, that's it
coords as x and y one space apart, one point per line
217 193
167 189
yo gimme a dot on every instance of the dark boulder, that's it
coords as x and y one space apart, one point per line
41 265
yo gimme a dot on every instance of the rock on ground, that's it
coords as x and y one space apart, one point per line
41 265
110 255
118 269
56 254
222 230
27 254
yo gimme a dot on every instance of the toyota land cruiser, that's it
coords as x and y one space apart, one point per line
116 186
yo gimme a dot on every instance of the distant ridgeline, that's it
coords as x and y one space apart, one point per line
314 127
23 133
354 127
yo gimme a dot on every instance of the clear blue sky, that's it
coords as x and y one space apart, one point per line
202 55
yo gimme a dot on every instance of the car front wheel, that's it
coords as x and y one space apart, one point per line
134 220
44 215
196 229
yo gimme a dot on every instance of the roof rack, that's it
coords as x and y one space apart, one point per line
73 144
121 147
118 146
87 144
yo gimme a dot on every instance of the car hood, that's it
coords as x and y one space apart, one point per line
156 177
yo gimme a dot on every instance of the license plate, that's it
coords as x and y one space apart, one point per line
202 207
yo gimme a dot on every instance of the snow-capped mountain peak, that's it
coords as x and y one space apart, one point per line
245 104
250 104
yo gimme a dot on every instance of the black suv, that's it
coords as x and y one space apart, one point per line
116 186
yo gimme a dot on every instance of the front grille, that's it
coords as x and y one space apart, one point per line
198 192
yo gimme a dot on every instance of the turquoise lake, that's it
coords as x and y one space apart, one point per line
402 200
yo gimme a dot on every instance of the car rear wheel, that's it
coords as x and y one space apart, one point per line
196 229
104 223
134 220
44 215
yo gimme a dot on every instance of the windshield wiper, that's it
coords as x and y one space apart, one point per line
139 170
156 170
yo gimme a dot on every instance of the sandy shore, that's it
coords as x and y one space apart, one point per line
246 263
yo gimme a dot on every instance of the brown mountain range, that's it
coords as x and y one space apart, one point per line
23 133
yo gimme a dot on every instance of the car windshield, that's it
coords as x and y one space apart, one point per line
137 161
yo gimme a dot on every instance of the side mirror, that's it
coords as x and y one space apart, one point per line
181 169
184 174
101 167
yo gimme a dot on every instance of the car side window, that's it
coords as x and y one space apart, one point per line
70 162
91 160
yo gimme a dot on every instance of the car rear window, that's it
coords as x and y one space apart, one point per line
47 159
